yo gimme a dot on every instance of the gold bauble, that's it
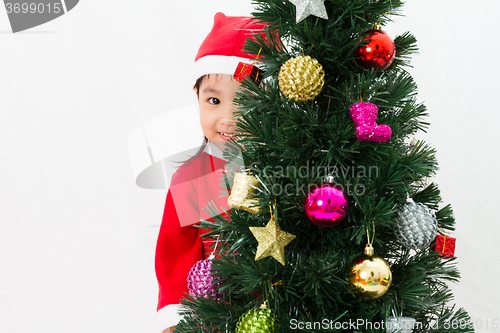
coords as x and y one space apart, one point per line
369 276
301 78
244 187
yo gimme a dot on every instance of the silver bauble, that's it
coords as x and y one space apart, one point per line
416 225
399 324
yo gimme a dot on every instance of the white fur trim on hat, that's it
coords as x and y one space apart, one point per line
217 64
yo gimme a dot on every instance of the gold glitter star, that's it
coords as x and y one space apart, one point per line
304 8
272 241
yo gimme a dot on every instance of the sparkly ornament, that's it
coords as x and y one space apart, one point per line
326 204
399 324
445 246
364 116
416 225
272 241
201 282
261 320
244 187
301 78
379 53
304 8
369 276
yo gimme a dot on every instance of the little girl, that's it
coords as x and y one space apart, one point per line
220 66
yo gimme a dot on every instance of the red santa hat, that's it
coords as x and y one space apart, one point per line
222 50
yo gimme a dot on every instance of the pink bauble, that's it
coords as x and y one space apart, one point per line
201 281
326 205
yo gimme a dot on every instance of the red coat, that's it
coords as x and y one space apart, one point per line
179 244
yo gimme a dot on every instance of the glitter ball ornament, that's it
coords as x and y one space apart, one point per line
301 78
364 116
261 320
416 225
326 204
379 53
201 282
399 324
244 187
369 276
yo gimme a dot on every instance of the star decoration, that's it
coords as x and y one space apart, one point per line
272 241
304 8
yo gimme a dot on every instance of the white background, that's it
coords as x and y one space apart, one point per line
77 236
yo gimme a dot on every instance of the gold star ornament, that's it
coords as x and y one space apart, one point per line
272 241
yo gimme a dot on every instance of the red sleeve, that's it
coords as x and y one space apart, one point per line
177 249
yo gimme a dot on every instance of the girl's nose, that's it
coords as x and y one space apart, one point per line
228 110
228 122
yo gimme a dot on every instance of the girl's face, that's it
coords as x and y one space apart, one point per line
216 95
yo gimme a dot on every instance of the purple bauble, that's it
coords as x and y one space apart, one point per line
201 282
326 205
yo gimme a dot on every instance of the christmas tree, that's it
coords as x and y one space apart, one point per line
338 228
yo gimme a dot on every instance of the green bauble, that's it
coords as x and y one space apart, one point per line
261 320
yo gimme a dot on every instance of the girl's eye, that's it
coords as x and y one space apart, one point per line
214 101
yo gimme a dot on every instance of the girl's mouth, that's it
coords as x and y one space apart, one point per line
226 136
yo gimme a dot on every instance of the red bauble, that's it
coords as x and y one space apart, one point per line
379 53
326 204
